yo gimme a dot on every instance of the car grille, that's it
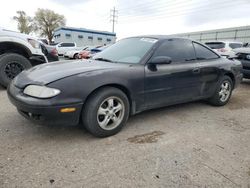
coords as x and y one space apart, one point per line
243 56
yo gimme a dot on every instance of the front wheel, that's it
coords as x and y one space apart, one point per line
223 92
106 112
11 64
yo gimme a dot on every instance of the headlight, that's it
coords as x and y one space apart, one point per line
34 43
42 92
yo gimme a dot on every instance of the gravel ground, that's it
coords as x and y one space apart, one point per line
188 145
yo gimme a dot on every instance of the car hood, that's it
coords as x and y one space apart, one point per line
50 72
242 50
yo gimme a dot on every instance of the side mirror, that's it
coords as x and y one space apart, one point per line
161 60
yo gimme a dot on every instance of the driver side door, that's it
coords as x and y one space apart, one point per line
176 82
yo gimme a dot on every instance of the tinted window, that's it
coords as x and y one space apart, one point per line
203 52
215 45
178 49
67 45
235 45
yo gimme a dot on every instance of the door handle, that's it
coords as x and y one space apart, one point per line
196 70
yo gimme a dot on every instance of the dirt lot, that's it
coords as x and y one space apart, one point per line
189 145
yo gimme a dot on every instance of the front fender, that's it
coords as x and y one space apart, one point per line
21 42
77 88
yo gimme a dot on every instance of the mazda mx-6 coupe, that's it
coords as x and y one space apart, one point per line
132 75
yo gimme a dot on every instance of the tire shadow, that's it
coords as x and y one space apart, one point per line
2 88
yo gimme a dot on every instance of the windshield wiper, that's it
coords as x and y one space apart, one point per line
104 59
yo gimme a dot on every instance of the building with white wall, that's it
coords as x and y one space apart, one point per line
83 37
240 34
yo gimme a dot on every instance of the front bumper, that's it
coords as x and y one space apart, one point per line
38 59
43 113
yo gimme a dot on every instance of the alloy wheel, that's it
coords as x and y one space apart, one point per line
225 91
110 113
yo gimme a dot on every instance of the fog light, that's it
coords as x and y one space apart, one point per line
66 110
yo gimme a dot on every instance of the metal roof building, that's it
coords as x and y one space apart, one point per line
241 34
83 37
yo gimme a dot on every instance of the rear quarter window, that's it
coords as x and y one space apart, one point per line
215 45
67 44
204 53
235 45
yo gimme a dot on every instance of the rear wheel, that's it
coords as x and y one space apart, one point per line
106 112
223 92
11 64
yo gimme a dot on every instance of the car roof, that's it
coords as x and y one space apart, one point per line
159 37
220 41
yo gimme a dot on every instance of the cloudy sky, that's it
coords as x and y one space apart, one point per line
137 17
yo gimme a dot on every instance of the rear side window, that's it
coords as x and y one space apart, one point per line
215 45
178 49
235 45
203 52
67 45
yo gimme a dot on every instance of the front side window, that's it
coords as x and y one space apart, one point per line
179 50
130 50
203 52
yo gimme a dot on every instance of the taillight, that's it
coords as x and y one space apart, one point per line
222 50
54 52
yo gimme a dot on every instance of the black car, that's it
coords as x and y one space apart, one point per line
243 55
131 76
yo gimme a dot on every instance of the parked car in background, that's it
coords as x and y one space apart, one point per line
73 54
86 54
224 48
44 41
132 75
18 52
243 55
95 51
50 52
64 47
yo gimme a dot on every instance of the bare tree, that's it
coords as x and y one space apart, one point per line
24 22
46 21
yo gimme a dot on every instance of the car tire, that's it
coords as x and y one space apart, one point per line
223 92
75 56
11 64
105 112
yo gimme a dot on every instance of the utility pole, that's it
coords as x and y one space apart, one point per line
113 18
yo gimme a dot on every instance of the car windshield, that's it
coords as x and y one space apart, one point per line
130 50
215 45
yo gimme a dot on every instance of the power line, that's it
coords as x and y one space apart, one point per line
175 13
113 18
170 9
153 5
